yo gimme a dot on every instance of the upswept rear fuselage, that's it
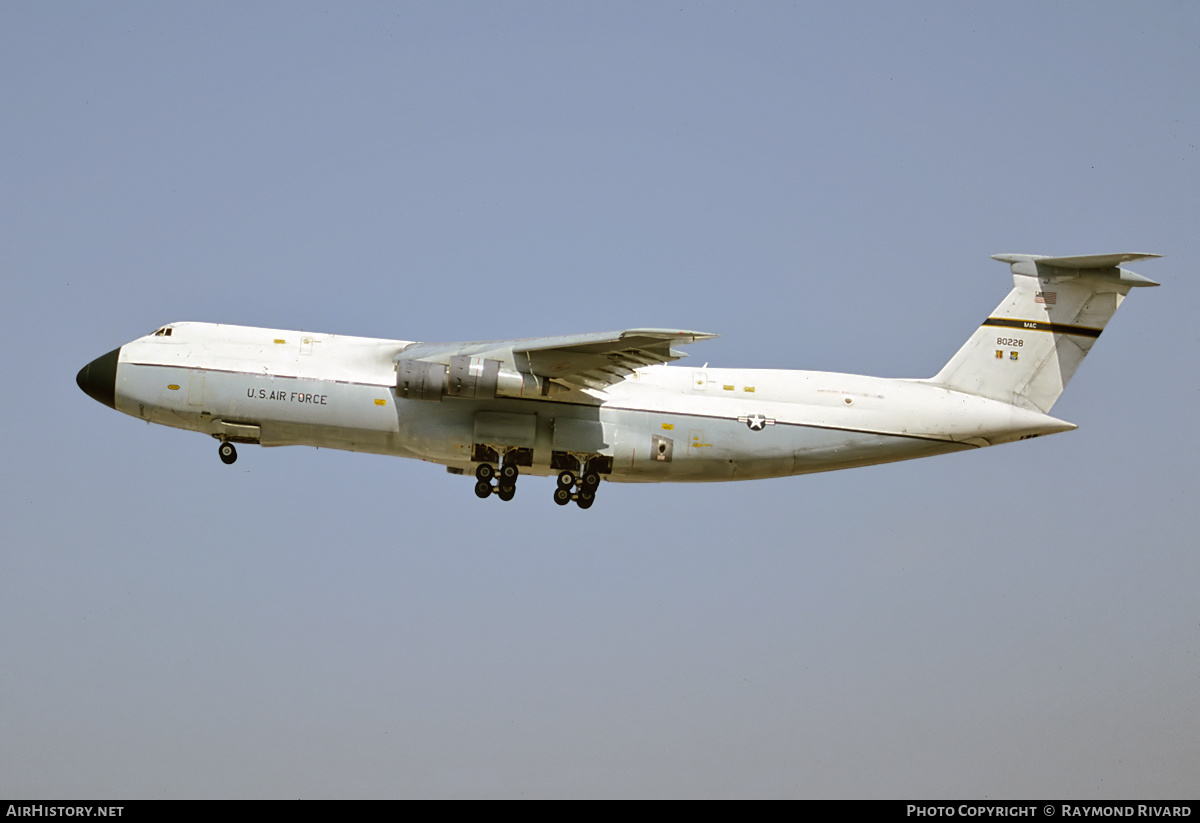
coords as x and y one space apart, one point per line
661 423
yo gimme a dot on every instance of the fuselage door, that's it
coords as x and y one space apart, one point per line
195 388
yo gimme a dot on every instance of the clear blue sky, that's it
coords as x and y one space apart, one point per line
821 184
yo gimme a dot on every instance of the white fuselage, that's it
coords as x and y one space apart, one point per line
662 423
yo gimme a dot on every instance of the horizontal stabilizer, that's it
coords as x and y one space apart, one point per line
1091 265
1085 261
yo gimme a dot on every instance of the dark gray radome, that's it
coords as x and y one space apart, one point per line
98 379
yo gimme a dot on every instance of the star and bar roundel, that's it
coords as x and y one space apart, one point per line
756 421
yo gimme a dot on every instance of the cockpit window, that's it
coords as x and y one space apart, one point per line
165 331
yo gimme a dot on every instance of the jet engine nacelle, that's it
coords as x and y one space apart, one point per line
467 377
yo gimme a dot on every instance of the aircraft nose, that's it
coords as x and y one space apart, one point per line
98 379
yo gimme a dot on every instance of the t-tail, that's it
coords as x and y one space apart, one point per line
1030 346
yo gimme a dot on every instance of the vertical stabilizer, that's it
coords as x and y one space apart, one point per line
1029 347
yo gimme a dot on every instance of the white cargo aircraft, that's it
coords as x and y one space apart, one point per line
604 406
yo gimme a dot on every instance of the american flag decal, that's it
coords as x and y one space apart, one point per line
1048 298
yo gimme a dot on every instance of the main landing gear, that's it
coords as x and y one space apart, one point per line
505 485
227 452
584 493
578 477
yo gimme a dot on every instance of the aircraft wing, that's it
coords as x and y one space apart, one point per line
592 361
601 359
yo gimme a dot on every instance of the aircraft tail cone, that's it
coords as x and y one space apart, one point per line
98 379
